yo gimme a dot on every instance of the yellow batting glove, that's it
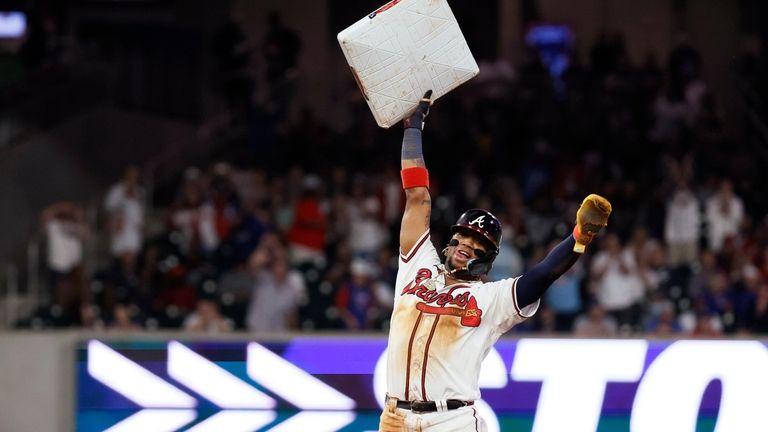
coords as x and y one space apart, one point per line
591 218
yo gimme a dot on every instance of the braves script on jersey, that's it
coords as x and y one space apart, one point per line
440 334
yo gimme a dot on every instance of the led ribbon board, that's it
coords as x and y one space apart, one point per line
541 385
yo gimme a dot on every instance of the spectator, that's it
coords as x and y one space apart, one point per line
666 325
166 290
760 317
193 218
224 200
66 232
682 227
724 213
125 204
278 290
252 223
706 268
366 233
719 302
356 300
618 283
707 326
746 292
339 219
235 288
124 318
662 320
762 262
207 319
307 235
386 264
595 323
340 265
673 117
656 274
282 204
546 321
120 285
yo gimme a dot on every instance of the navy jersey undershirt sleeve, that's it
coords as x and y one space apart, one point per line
532 285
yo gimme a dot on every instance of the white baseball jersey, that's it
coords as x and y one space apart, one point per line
439 335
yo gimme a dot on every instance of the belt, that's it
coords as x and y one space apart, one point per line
433 406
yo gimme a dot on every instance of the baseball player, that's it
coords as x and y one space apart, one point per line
445 319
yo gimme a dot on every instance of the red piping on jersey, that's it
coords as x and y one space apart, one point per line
426 357
415 249
408 360
514 296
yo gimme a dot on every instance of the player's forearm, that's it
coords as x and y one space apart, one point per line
412 154
532 285
418 203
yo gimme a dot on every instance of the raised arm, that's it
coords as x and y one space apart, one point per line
418 203
591 217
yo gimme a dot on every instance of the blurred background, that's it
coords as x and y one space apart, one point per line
212 167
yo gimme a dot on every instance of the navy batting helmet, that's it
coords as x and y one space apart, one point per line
481 222
488 227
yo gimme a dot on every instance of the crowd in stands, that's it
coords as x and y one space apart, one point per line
298 228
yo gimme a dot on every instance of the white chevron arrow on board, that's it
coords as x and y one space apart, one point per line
212 381
155 420
292 383
143 388
316 421
134 382
236 421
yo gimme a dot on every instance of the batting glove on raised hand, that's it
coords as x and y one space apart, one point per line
416 119
591 218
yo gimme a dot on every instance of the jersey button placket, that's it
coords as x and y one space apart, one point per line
418 353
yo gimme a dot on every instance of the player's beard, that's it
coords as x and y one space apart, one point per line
450 265
461 273
447 255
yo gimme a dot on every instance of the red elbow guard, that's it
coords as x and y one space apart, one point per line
415 177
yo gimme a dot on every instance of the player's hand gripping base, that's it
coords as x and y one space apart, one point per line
391 420
591 218
419 115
